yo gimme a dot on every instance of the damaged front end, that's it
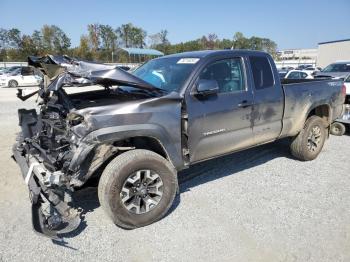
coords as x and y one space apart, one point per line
44 155
50 151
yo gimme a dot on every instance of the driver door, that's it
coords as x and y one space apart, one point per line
220 123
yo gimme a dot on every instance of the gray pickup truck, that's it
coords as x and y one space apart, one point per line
135 131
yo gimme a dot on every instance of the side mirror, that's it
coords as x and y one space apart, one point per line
207 87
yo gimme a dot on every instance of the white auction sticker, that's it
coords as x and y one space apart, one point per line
188 61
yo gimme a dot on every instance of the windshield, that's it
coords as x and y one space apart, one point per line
168 73
347 79
339 67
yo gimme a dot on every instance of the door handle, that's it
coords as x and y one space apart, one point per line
244 104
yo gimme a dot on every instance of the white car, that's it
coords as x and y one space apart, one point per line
22 76
312 69
299 74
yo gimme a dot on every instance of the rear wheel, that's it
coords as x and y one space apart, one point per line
338 129
137 188
13 83
309 142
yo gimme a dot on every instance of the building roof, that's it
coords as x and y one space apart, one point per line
336 41
142 51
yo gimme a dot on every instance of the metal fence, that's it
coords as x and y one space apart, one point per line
9 64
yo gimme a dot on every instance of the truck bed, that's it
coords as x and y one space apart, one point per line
302 94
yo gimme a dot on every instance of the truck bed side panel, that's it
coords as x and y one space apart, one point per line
302 98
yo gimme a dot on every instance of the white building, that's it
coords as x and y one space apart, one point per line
330 52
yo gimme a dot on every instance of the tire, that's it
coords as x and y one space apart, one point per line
338 129
115 177
303 147
13 84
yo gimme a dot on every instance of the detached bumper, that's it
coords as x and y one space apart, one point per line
27 173
51 216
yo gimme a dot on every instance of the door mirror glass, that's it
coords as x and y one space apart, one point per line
206 87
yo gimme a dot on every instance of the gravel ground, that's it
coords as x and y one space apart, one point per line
256 205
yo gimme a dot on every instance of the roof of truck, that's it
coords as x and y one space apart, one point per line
204 53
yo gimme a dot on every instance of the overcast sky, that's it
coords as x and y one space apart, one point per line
291 24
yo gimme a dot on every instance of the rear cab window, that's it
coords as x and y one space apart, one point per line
262 72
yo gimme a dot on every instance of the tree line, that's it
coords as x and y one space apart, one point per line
101 43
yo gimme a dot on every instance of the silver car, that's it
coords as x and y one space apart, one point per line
335 70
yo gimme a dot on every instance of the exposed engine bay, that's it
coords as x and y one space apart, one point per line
54 155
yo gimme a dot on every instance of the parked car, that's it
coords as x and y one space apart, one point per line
282 74
338 128
299 74
140 129
21 76
312 69
338 70
287 68
302 67
347 86
8 70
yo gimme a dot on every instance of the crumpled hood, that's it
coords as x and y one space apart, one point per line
63 70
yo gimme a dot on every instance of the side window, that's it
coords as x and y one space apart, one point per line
27 71
304 75
262 73
294 75
228 73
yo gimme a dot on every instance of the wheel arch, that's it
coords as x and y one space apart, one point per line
323 111
105 151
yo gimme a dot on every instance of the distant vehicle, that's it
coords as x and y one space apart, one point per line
287 68
338 128
299 74
7 70
282 74
313 69
338 70
347 86
302 67
21 76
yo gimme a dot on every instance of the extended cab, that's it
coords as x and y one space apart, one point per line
140 129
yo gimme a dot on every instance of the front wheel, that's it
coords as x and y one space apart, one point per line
309 142
137 188
13 83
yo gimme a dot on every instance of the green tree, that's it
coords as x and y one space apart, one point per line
14 38
124 32
240 41
60 41
94 36
83 50
37 39
108 37
51 39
